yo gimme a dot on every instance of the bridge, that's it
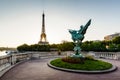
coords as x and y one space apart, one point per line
33 66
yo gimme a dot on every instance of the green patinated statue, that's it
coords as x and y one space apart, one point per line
77 37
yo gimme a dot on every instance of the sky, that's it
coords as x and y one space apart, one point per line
21 20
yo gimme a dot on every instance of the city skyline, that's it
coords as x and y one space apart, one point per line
21 20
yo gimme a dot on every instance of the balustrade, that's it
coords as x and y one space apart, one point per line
108 55
8 60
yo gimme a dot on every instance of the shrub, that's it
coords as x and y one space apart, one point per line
73 59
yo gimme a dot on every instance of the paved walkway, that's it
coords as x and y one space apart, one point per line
38 70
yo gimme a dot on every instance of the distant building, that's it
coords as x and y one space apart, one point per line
112 36
96 40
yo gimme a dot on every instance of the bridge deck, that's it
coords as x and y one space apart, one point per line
38 70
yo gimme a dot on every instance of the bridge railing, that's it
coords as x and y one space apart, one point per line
5 61
9 60
108 55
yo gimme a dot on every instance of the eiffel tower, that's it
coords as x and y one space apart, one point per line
43 40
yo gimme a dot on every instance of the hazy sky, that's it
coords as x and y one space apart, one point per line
21 20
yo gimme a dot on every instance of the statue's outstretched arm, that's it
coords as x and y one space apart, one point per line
85 27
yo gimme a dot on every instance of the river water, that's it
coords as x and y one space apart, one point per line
3 53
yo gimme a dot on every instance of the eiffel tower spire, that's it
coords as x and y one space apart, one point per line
43 39
43 23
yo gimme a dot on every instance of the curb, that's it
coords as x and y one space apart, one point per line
114 68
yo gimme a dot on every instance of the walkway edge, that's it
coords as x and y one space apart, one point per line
114 68
10 67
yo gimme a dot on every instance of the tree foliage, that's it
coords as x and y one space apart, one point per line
35 47
66 46
116 40
101 46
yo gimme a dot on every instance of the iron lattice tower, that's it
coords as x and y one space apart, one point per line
43 39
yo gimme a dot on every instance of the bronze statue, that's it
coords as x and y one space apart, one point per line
78 36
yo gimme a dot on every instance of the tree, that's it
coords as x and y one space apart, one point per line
118 46
54 47
86 46
93 46
116 40
23 47
112 48
66 46
34 47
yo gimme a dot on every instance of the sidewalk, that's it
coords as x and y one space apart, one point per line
38 70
